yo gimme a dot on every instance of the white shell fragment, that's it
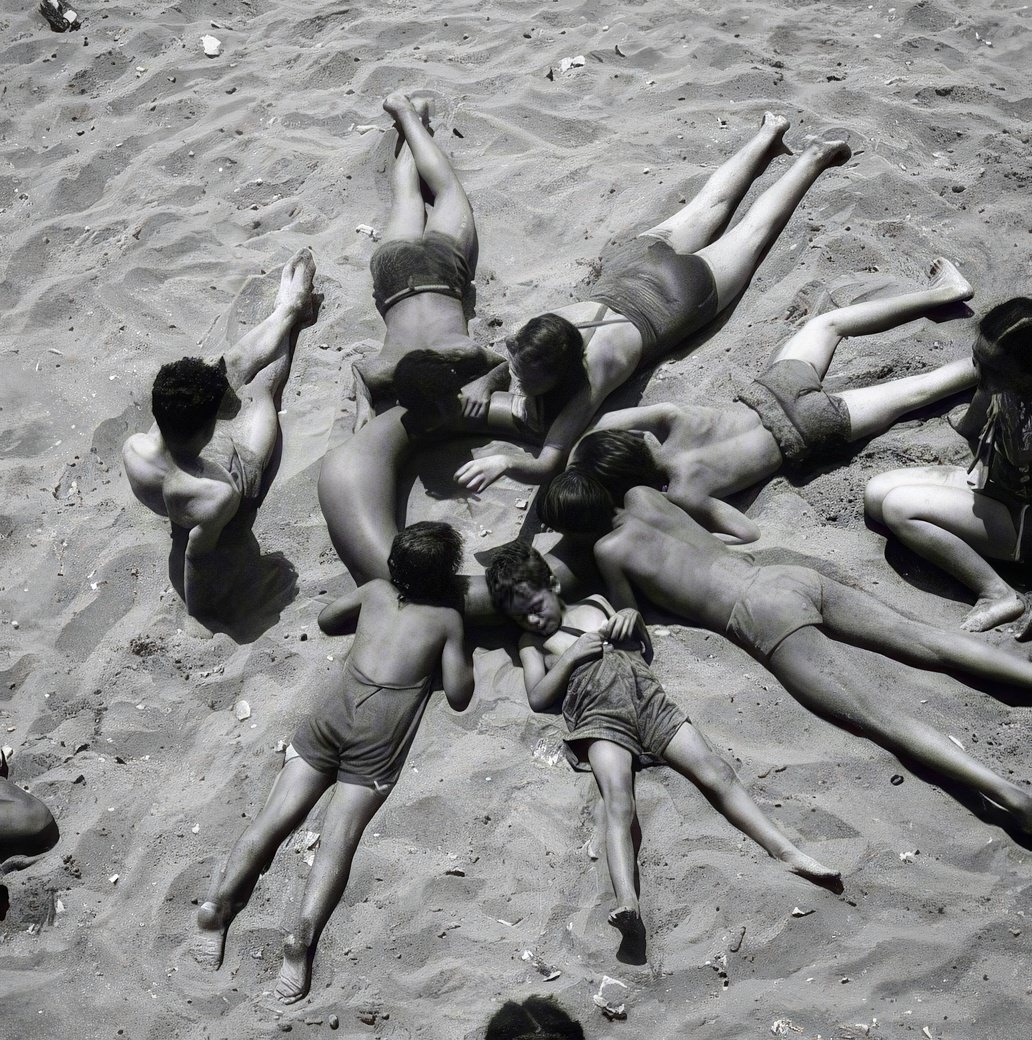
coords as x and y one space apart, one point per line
242 710
368 229
212 45
572 63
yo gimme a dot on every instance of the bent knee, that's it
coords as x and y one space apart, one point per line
898 508
713 773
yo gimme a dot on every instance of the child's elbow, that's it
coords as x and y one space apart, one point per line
460 694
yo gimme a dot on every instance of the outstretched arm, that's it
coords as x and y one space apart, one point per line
723 521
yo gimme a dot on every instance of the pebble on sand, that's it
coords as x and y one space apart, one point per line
212 45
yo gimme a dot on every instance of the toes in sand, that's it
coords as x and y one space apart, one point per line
209 942
295 976
993 610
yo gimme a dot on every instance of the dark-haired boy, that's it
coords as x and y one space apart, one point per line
197 464
619 717
355 740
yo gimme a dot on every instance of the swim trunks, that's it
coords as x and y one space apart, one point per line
363 732
775 601
806 421
434 263
666 295
618 698
242 466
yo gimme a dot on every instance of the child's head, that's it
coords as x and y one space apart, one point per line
427 384
1003 350
604 466
575 502
546 353
187 395
424 560
523 588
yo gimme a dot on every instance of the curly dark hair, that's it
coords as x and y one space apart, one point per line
186 396
513 565
423 379
424 562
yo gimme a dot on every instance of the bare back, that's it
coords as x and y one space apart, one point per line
426 321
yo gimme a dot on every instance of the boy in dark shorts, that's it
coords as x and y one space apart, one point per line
355 741
619 717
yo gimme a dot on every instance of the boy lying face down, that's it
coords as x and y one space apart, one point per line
796 620
355 740
619 717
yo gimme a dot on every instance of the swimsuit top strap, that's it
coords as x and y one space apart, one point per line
598 321
599 604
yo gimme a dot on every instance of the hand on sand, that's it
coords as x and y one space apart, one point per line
482 473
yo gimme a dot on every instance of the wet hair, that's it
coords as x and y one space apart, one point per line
1003 349
424 562
553 344
576 503
512 566
187 395
424 378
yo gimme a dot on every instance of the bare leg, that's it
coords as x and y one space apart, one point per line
808 664
268 344
691 755
407 217
873 409
855 617
611 765
955 528
452 214
297 788
347 816
815 343
735 255
695 226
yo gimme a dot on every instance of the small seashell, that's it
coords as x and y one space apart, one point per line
242 710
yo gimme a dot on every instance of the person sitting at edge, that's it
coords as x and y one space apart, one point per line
197 464
795 621
956 517
27 827
593 659
355 740
423 268
655 290
698 454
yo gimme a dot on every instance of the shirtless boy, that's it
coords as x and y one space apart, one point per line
619 717
795 621
215 429
355 740
700 454
423 268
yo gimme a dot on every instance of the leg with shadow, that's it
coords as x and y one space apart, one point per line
734 257
692 756
296 790
347 816
27 828
811 667
706 216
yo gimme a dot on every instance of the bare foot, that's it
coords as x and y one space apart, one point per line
777 126
807 867
295 976
993 610
946 277
209 943
424 107
627 921
396 103
295 289
828 152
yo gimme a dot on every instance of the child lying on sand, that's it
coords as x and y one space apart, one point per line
795 621
699 454
618 715
355 741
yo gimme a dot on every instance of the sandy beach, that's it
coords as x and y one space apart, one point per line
149 196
